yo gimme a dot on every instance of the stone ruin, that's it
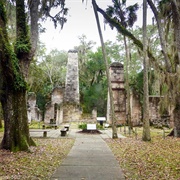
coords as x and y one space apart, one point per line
155 116
33 111
136 112
71 106
54 109
119 97
65 102
71 94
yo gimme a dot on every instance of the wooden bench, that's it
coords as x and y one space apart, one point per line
67 127
63 132
44 131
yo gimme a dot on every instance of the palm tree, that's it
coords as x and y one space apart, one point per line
146 129
126 16
114 129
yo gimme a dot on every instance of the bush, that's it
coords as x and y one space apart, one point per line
99 126
82 126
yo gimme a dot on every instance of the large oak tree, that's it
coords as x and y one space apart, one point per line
14 66
167 15
13 69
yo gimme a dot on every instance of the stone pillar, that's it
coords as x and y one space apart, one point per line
71 109
119 97
59 117
72 78
29 113
94 114
32 106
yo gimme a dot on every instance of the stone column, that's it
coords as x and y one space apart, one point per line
71 110
94 114
118 90
32 105
72 78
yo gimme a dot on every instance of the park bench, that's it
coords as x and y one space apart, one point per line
67 126
44 131
63 131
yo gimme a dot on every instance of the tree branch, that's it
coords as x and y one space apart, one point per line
126 33
162 38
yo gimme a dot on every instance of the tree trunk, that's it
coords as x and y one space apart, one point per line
121 29
174 91
146 126
114 129
13 71
1 116
161 35
34 14
176 19
16 132
177 117
1 123
127 84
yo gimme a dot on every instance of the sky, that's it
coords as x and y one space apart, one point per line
80 21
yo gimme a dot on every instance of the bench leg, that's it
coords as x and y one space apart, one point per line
63 133
45 134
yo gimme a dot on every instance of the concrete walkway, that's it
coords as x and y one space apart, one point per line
89 159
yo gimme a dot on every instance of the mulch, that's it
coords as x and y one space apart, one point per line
85 131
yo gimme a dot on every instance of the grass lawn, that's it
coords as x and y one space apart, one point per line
155 160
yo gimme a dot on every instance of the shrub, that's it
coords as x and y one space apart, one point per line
82 126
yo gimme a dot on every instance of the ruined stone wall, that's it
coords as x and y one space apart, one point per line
136 110
136 114
57 95
154 108
71 112
49 113
54 109
119 97
155 116
33 111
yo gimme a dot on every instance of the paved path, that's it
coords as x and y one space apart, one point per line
89 159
